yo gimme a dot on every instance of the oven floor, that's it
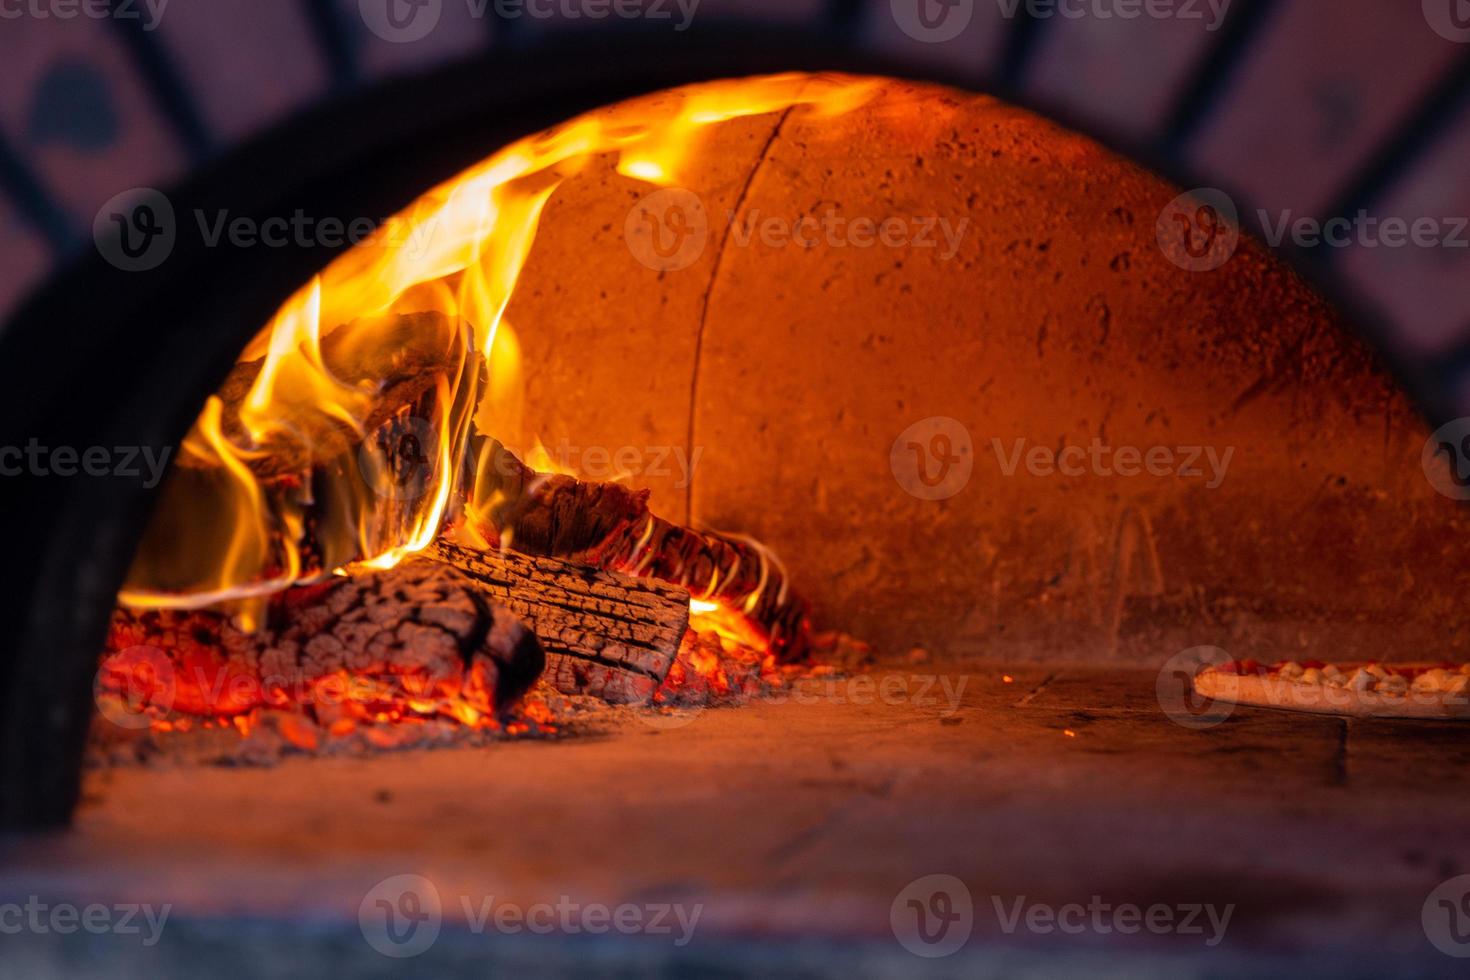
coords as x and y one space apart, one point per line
795 826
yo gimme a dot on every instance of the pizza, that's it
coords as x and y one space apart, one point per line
1371 690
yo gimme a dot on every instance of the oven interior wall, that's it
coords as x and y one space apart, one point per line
781 389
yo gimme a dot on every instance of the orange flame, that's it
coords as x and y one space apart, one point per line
227 532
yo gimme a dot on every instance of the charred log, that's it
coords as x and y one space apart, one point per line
605 634
423 630
331 492
409 356
611 527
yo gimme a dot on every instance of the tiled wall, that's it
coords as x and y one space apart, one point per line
969 42
76 113
1293 115
1124 76
457 32
245 65
1426 290
1316 95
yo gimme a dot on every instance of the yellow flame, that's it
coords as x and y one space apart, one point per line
294 379
274 495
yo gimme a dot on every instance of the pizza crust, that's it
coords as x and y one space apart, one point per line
1326 699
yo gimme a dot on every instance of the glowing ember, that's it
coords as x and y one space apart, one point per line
411 645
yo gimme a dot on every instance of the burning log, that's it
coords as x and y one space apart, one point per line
417 639
605 634
302 465
348 468
609 526
410 354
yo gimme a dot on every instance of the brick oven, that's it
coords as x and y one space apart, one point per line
755 500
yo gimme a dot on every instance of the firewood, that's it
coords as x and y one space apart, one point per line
605 634
609 526
329 490
395 374
426 632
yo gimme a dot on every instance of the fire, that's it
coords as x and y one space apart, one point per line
273 490
180 670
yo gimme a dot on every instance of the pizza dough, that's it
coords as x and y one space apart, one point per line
1354 690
